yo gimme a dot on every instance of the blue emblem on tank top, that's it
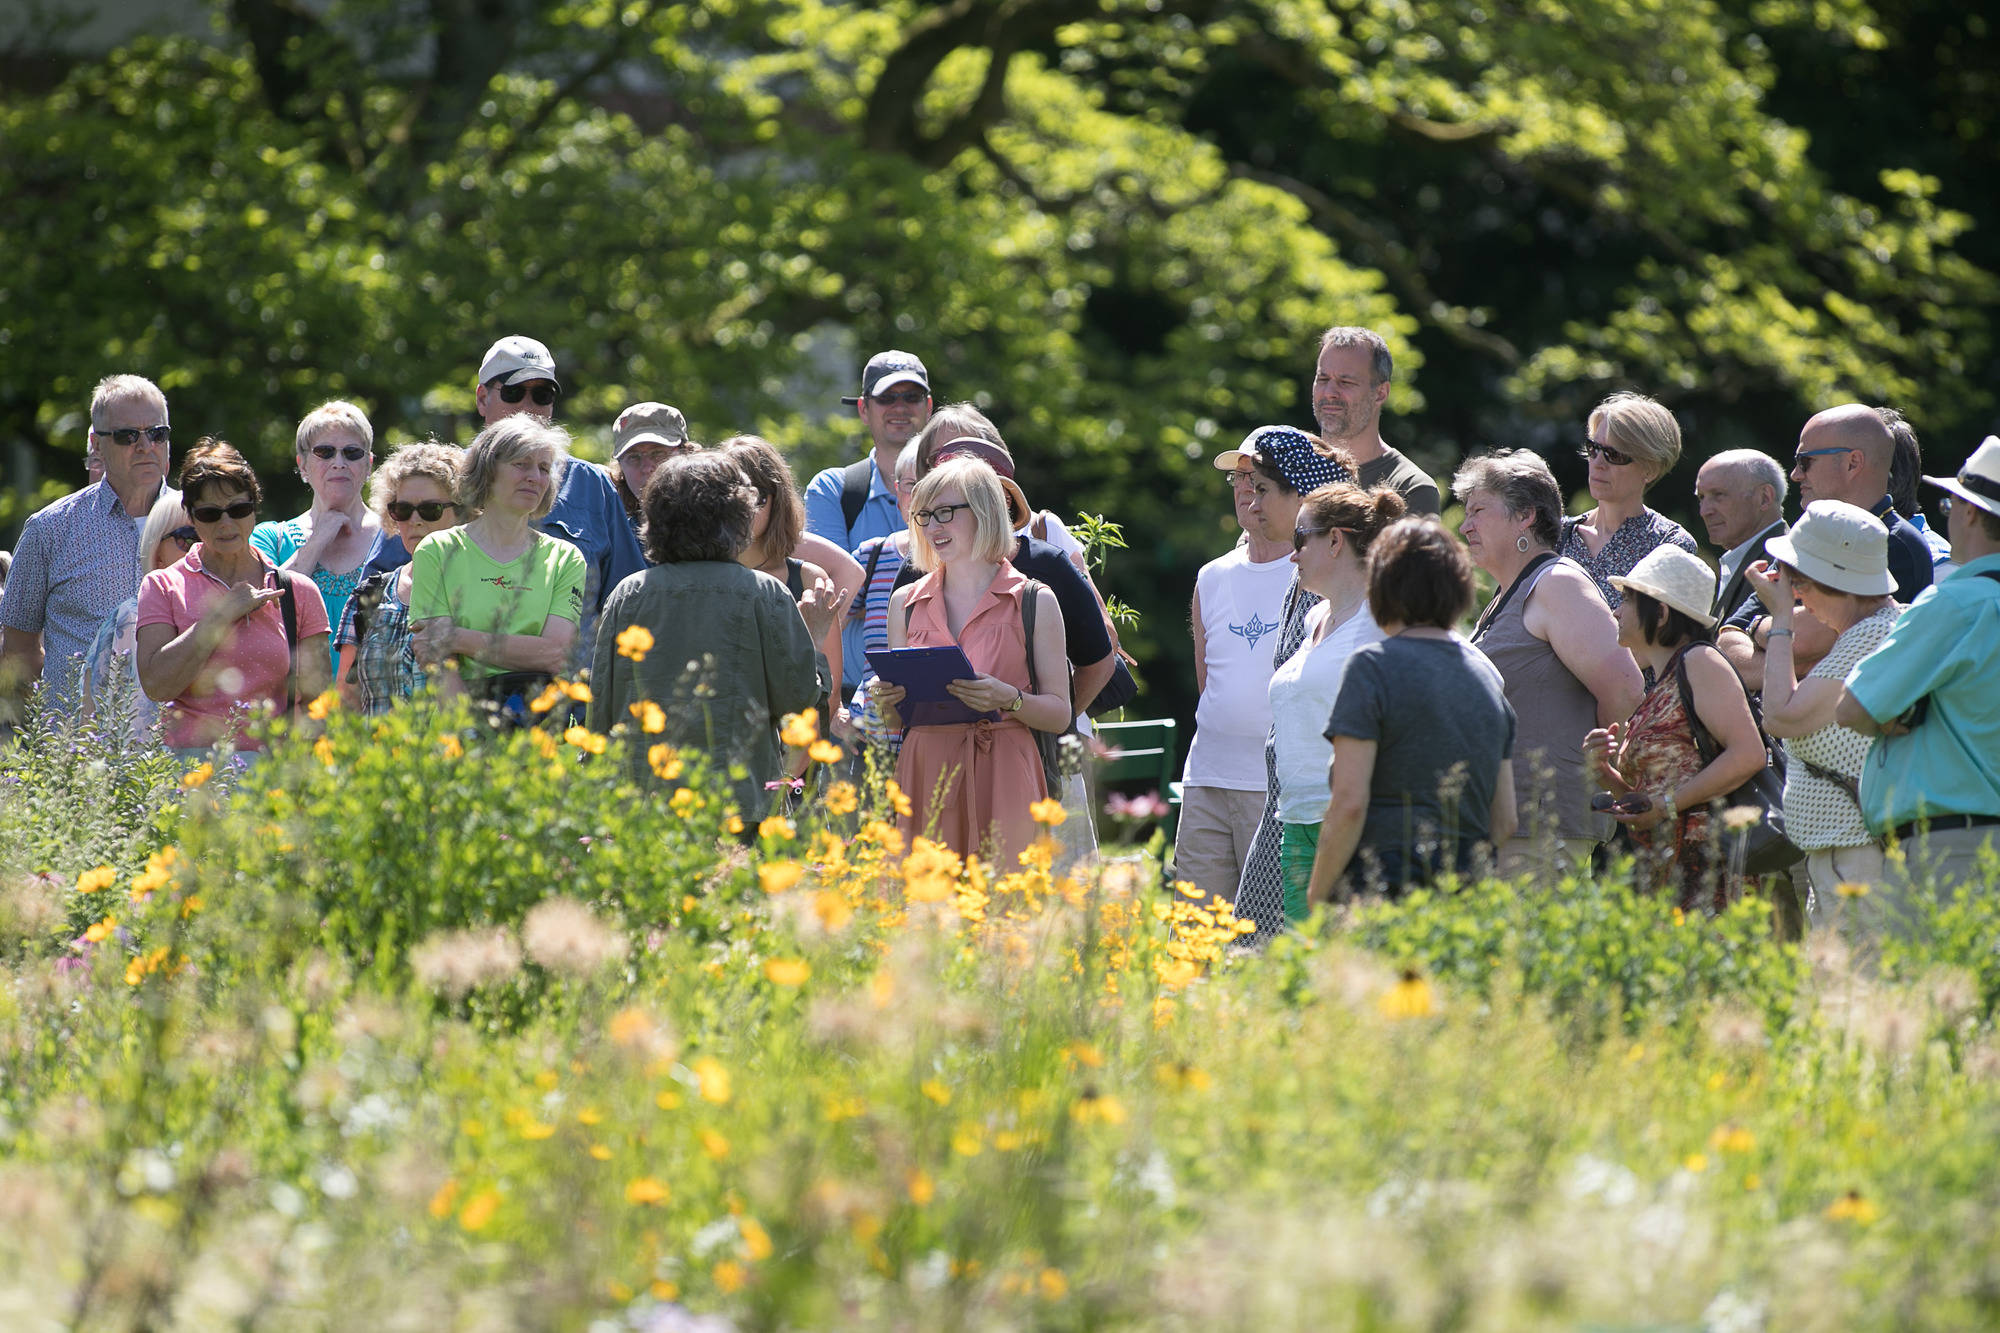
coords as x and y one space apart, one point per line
1254 629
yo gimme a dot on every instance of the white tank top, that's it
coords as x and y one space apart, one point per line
1240 607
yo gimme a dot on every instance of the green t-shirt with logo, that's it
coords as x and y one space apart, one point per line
451 576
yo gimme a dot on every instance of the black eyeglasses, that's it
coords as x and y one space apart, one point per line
1592 449
353 453
942 513
908 398
127 436
214 513
185 536
541 391
429 510
1802 460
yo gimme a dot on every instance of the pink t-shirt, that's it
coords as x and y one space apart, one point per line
246 670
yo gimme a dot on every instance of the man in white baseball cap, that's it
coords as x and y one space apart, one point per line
1932 781
518 374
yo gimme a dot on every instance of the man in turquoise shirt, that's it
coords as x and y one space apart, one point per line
1933 779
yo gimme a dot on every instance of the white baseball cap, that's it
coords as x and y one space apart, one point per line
517 358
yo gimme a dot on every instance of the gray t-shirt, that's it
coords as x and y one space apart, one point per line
1419 492
1437 711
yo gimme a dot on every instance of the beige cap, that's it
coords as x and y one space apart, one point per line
1674 578
1839 546
642 422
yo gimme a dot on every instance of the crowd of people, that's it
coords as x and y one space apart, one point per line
1362 725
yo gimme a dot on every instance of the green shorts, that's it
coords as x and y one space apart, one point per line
1298 845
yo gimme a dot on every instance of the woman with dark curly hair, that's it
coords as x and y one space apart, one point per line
730 652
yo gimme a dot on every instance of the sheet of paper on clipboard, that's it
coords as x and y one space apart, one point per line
923 673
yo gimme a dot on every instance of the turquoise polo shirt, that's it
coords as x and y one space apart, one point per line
1947 646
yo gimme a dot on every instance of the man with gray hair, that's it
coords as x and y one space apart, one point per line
78 559
1350 384
1741 493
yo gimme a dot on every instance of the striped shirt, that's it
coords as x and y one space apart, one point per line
870 613
77 561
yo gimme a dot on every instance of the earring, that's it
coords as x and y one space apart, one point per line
1521 543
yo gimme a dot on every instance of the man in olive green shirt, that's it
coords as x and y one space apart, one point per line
1350 384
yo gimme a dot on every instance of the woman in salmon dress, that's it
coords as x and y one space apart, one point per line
970 783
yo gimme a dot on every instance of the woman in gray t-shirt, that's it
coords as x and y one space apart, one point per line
1421 730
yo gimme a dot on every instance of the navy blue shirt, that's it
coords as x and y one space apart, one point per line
589 516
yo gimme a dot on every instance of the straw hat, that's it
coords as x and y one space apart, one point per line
1839 546
1676 579
1978 482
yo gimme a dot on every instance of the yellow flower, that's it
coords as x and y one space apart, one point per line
1048 812
323 751
920 1187
1052 1284
897 800
575 689
1695 1163
665 761
787 971
756 1240
684 802
1176 972
842 799
729 1276
777 876
1732 1139
714 1144
966 1140
832 909
1182 1076
634 642
1083 1053
1094 1108
668 1100
441 1202
479 1210
645 1190
590 1115
535 1131
1411 997
91 881
663 1290
101 931
1848 888
652 717
453 748
320 707
583 738
714 1079
799 730
1851 1207
733 825
197 775
600 1152
551 695
777 829
823 752
936 1091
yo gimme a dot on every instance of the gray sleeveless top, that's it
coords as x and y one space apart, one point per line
1554 712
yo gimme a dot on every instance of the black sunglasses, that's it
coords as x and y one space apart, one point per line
1592 449
353 453
541 391
127 436
908 397
214 513
185 536
1300 536
430 510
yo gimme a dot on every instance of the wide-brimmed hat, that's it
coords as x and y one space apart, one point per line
658 423
1978 482
1839 546
887 369
1673 578
516 359
1290 453
996 456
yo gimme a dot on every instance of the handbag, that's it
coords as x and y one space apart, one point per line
1048 743
1763 847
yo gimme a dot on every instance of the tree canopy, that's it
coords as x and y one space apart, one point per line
1118 225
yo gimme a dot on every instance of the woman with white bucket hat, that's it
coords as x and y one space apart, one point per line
1835 560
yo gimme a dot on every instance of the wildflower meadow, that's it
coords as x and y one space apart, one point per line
415 1026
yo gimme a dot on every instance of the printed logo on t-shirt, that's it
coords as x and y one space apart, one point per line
1254 629
500 581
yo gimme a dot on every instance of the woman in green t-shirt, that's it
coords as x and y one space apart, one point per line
495 597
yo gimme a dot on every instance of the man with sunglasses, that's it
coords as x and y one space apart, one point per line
853 504
78 559
518 374
1845 453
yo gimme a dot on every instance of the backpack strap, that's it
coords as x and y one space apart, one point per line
858 611
855 480
288 609
1029 596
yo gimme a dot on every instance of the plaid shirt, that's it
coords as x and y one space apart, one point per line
385 663
77 560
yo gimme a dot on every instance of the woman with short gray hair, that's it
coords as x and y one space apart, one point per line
496 597
1631 442
1555 643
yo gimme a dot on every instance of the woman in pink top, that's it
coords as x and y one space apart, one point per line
970 783
212 640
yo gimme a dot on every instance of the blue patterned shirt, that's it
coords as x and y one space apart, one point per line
76 561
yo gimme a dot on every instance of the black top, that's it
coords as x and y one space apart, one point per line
1085 638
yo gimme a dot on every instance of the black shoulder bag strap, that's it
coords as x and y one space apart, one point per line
1527 573
854 486
288 607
